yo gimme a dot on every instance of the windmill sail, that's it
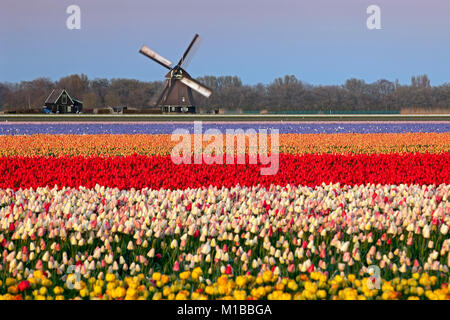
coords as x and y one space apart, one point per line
196 86
155 56
190 51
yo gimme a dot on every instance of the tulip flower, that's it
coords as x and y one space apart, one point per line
444 229
24 285
426 232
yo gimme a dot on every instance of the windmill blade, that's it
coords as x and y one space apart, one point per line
196 86
190 51
146 51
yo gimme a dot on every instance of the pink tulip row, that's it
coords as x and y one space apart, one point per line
335 228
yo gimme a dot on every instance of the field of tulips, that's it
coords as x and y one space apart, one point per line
100 211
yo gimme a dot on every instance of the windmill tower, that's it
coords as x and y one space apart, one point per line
177 94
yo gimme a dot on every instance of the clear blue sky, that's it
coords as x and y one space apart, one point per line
319 41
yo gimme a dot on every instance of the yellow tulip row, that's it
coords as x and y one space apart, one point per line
266 285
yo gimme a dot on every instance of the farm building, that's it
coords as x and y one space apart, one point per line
59 101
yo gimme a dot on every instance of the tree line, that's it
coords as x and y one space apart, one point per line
286 94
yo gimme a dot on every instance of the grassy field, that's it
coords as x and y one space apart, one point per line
237 117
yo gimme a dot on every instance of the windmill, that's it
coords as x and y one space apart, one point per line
177 94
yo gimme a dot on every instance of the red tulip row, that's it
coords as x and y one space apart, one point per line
160 172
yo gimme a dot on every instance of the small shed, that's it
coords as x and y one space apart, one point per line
59 101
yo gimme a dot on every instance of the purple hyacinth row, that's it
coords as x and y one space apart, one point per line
23 128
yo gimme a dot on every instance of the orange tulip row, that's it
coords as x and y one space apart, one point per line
144 144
